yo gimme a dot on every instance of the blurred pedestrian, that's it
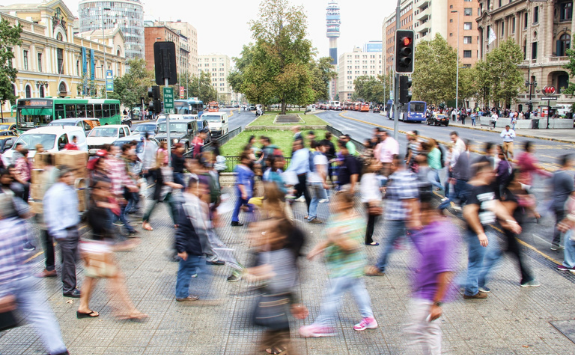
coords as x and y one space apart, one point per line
50 176
434 266
23 173
62 219
481 212
401 210
371 197
300 165
73 145
345 258
317 178
244 187
528 166
18 290
561 188
348 170
122 184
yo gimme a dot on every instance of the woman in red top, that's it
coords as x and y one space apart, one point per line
527 164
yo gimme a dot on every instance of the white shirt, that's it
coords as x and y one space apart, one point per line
369 188
459 145
318 159
507 136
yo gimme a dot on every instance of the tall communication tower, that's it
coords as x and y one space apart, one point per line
333 20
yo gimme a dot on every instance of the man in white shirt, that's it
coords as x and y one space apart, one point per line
508 136
494 118
459 144
317 179
386 150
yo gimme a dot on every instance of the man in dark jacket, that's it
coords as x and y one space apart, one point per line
191 237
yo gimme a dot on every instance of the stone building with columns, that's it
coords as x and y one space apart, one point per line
52 61
543 30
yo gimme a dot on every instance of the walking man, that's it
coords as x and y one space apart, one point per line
62 218
508 136
562 187
300 165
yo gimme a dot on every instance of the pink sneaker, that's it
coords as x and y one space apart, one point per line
366 323
316 331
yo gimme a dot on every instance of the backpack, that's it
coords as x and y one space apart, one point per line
311 163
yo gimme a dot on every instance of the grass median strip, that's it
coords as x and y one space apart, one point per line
268 120
282 139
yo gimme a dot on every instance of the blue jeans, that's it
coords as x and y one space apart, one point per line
460 190
31 304
186 269
473 121
332 300
480 261
318 193
433 177
569 252
122 217
397 229
239 203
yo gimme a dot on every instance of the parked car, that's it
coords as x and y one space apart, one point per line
8 129
438 120
181 131
102 135
6 142
151 128
86 123
52 139
217 123
376 109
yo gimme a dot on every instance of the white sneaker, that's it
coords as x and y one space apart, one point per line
300 199
325 200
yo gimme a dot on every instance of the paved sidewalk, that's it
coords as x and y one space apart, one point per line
513 320
557 135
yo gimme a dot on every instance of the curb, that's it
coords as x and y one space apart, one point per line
518 134
401 131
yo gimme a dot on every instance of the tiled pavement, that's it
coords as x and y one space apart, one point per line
512 320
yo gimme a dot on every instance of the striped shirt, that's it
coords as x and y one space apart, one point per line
15 232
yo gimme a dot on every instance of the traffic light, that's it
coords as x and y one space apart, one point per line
154 92
404 89
404 51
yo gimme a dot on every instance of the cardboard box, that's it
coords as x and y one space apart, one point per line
82 202
37 176
75 159
36 192
36 207
40 159
81 173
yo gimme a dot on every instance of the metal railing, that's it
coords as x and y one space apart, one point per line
337 133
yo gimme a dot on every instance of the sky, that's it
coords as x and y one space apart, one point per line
223 28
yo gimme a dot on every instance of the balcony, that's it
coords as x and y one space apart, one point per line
423 17
556 59
424 5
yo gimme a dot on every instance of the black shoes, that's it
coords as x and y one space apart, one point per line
237 224
74 294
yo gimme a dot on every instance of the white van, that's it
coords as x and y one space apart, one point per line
217 122
52 138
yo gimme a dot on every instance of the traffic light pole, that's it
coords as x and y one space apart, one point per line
168 129
396 82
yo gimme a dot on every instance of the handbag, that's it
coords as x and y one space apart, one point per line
271 311
98 259
375 209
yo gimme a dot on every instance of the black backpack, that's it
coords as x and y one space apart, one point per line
442 155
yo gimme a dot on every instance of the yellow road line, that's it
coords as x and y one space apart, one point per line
531 247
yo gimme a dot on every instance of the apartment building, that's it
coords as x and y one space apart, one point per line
355 64
190 34
388 32
218 65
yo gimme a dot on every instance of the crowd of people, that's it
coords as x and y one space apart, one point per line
369 188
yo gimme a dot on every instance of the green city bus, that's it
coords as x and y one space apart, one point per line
34 113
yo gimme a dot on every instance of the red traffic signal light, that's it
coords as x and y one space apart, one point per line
404 51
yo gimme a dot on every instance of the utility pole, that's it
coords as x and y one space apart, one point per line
457 65
396 82
104 67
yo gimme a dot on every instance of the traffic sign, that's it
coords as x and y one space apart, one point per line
168 98
549 98
109 81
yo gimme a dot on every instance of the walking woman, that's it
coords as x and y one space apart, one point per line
99 258
345 258
519 204
163 176
371 198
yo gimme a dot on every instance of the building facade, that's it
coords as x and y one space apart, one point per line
353 65
191 37
52 61
163 33
218 65
388 33
128 15
542 30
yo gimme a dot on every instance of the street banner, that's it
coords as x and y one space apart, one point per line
109 81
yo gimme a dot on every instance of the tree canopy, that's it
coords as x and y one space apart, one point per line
134 84
504 78
370 89
570 90
200 87
9 37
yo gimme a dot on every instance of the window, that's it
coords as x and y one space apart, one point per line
451 6
25 58
468 11
526 19
534 50
450 20
40 62
565 11
98 110
502 28
513 25
467 40
28 91
563 44
536 14
467 54
60 61
467 26
500 3
42 91
70 111
107 110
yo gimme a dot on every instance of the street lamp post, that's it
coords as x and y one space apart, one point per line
531 85
104 67
457 65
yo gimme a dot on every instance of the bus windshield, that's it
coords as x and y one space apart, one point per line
418 107
31 140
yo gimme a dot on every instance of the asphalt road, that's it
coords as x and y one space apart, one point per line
537 234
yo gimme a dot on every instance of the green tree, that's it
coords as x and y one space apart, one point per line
279 68
133 85
322 73
9 37
434 72
236 76
371 89
505 79
467 84
570 90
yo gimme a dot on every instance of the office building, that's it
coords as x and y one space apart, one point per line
353 65
218 65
